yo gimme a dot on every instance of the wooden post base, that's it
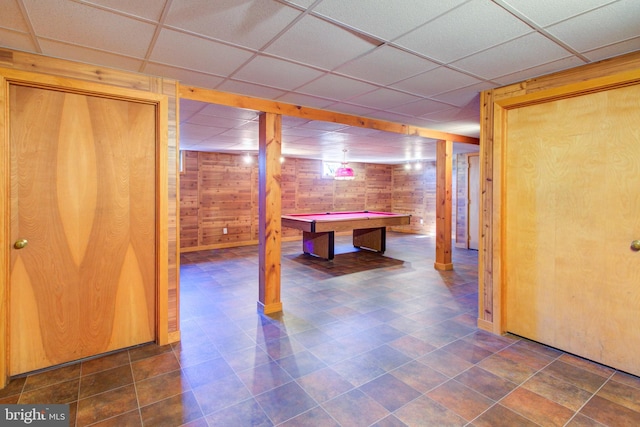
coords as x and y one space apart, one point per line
269 308
443 267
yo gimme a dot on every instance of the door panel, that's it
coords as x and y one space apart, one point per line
83 195
572 204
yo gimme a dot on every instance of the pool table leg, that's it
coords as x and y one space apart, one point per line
371 238
319 244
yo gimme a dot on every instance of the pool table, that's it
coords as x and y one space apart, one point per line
369 229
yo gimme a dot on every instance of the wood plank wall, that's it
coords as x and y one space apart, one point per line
57 67
218 190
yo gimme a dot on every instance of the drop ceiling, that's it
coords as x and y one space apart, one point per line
415 62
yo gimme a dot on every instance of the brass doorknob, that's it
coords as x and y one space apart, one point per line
19 244
635 245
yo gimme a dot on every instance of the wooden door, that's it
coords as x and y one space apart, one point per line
473 210
572 211
83 192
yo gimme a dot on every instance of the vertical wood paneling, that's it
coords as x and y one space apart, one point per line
169 149
313 193
225 198
288 191
414 192
189 200
376 187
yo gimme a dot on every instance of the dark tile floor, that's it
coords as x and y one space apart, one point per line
365 340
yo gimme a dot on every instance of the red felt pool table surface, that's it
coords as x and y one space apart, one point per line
343 221
369 229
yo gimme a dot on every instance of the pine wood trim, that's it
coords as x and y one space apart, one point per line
270 211
5 232
444 159
240 101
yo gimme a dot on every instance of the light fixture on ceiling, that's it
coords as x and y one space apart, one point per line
344 172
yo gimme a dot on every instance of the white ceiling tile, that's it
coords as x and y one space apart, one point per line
149 9
185 77
464 127
472 27
360 131
301 132
386 19
292 122
219 122
338 36
463 96
224 111
246 23
244 134
11 16
326 126
302 3
250 89
16 40
436 81
390 117
547 12
277 73
450 114
305 100
316 42
612 50
195 53
191 106
386 65
383 99
89 56
600 27
77 23
346 108
525 52
420 108
196 132
540 70
336 87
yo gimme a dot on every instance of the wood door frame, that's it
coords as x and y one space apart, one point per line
10 77
468 199
499 184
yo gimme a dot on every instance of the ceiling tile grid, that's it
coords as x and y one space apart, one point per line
416 62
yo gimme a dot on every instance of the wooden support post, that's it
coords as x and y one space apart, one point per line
269 212
444 162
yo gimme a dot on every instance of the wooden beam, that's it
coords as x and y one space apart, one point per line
269 212
268 106
444 165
